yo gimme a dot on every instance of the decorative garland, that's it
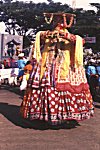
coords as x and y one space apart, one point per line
70 23
64 17
50 19
65 21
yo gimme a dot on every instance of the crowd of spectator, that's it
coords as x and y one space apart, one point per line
8 63
91 64
92 67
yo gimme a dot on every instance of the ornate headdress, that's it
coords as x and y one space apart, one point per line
64 17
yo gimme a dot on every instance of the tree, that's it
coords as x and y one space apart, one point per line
50 1
97 5
30 16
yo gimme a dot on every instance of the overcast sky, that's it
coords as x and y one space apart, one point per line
79 3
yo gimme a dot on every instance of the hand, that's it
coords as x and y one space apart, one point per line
44 34
62 34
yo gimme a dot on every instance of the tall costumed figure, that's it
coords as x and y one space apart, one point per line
57 89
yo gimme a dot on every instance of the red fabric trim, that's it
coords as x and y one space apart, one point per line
72 88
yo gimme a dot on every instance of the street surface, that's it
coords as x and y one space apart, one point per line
17 133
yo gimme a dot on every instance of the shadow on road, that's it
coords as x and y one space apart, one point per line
97 106
13 89
11 112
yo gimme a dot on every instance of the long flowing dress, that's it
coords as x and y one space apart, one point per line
57 88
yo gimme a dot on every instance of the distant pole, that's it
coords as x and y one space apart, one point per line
74 8
74 4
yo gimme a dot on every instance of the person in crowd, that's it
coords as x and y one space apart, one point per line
21 64
12 80
98 68
98 73
0 64
91 69
92 76
10 50
18 50
1 67
27 71
12 62
57 89
26 52
25 59
5 63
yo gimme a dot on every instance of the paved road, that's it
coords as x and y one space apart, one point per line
19 134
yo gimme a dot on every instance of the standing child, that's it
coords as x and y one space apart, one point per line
27 71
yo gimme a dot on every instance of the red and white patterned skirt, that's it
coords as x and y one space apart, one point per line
43 101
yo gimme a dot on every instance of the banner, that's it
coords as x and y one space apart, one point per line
9 45
90 39
8 73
